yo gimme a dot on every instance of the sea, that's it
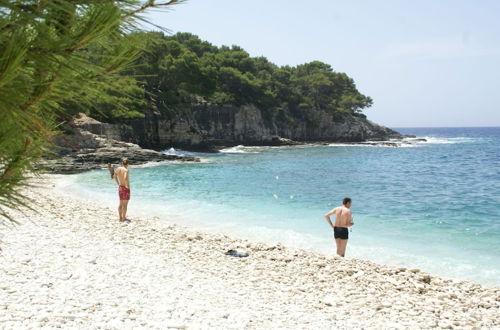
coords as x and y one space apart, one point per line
432 205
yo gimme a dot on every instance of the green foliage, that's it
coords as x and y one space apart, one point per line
56 57
59 57
109 99
181 69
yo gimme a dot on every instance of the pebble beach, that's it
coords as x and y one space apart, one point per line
69 263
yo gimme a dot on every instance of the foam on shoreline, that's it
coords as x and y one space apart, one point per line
272 224
71 264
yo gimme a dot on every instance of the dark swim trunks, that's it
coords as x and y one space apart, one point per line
124 193
341 232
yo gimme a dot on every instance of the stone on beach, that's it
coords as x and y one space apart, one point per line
94 272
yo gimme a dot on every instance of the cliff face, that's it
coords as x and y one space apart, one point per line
208 126
79 150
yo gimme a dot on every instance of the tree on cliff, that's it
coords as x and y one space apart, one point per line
54 56
177 71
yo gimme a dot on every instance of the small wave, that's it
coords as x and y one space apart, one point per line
203 160
351 145
453 140
184 153
407 142
160 163
179 152
378 144
173 152
207 160
239 149
283 147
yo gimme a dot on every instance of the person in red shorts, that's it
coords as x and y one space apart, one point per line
121 176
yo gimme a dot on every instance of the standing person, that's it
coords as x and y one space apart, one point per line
343 220
121 176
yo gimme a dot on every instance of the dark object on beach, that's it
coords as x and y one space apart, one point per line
234 253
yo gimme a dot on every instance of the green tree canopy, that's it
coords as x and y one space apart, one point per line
182 69
59 57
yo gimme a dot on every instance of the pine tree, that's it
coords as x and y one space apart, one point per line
54 53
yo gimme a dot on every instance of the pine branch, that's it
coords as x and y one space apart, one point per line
10 168
52 53
151 4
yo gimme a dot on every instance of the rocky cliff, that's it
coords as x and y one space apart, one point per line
209 126
80 150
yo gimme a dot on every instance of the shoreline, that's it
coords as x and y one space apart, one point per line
71 263
403 141
183 213
87 147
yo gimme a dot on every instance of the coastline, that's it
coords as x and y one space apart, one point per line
70 263
88 144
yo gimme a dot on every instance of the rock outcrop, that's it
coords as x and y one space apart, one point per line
207 127
80 150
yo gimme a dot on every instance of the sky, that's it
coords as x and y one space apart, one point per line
425 63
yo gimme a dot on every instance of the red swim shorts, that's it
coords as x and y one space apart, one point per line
124 193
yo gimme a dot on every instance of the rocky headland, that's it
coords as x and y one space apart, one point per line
210 127
87 144
79 150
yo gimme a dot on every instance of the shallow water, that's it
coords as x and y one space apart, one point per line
434 205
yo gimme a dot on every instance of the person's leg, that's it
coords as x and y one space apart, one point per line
343 244
120 210
124 209
338 243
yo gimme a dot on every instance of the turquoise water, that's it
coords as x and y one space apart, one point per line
433 206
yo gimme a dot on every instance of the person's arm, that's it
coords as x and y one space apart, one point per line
125 177
351 223
111 171
115 175
328 215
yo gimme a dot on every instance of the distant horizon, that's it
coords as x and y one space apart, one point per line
425 64
395 127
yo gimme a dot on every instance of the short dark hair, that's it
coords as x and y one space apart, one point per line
346 200
124 161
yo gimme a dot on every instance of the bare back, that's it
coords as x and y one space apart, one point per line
121 176
343 217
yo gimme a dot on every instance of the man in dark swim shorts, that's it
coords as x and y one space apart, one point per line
343 220
340 232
